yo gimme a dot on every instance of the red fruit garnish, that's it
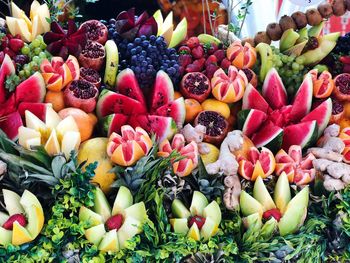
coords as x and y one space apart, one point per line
220 54
62 42
345 59
198 220
16 44
198 52
2 56
114 222
212 59
192 42
225 63
4 42
185 59
275 213
20 218
184 50
95 31
195 86
213 48
200 63
192 68
9 52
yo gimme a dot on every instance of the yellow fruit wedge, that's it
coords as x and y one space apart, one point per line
5 236
16 11
33 122
12 202
159 19
37 27
11 23
110 242
67 124
25 134
3 218
52 145
194 232
30 143
95 234
20 235
34 9
44 16
71 141
179 33
23 30
36 219
52 119
129 229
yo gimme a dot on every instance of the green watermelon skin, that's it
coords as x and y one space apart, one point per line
304 134
113 123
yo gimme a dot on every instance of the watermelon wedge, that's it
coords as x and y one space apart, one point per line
283 124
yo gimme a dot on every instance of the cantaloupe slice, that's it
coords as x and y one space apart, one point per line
25 134
71 141
22 29
11 23
34 9
52 145
20 235
67 124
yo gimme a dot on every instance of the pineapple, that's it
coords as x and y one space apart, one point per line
199 257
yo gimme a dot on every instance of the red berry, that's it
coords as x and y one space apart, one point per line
16 44
198 52
192 68
225 63
192 42
4 42
9 52
184 50
20 218
212 49
185 60
275 213
210 70
220 54
200 63
198 220
114 222
2 56
211 60
9 36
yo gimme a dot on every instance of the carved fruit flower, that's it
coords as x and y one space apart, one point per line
110 229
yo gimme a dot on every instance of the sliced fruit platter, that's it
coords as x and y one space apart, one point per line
128 141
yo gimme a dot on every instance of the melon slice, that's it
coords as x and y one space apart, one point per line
303 134
114 122
273 90
163 91
32 89
269 136
37 108
7 68
250 121
175 109
252 99
321 115
127 85
10 124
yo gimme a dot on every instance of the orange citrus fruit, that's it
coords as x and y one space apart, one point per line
177 95
193 108
218 106
56 99
83 120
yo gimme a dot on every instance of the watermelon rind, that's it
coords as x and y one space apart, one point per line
175 109
269 136
113 122
293 135
249 121
321 114
273 90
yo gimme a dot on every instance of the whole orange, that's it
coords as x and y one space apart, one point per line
84 121
193 108
56 99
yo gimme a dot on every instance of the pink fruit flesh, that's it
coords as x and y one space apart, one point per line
20 218
198 220
114 222
275 213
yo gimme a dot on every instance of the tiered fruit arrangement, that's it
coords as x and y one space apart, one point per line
127 141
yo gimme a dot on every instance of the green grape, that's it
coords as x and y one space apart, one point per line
40 38
43 46
36 59
289 73
279 63
33 64
36 43
301 67
284 58
42 55
295 66
21 73
26 67
37 50
299 60
25 50
27 73
290 59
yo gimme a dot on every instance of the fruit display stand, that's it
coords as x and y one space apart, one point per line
126 140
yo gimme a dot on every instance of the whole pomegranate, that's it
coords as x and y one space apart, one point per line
81 94
90 75
95 31
342 87
195 85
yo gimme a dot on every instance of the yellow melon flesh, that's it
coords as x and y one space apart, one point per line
16 11
110 242
44 15
52 119
33 122
71 141
20 235
22 29
52 145
25 134
11 23
5 236
30 143
95 234
12 202
33 9
35 217
67 124
37 27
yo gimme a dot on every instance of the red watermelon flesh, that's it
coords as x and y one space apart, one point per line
8 106
252 99
114 122
38 109
267 135
301 134
110 102
175 109
302 100
273 90
321 114
250 127
10 124
7 68
163 91
127 85
32 89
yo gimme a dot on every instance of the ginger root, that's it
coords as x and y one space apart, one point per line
331 184
321 153
232 191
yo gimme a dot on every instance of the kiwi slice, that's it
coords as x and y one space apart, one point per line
314 17
274 31
287 22
339 7
262 37
325 10
299 19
